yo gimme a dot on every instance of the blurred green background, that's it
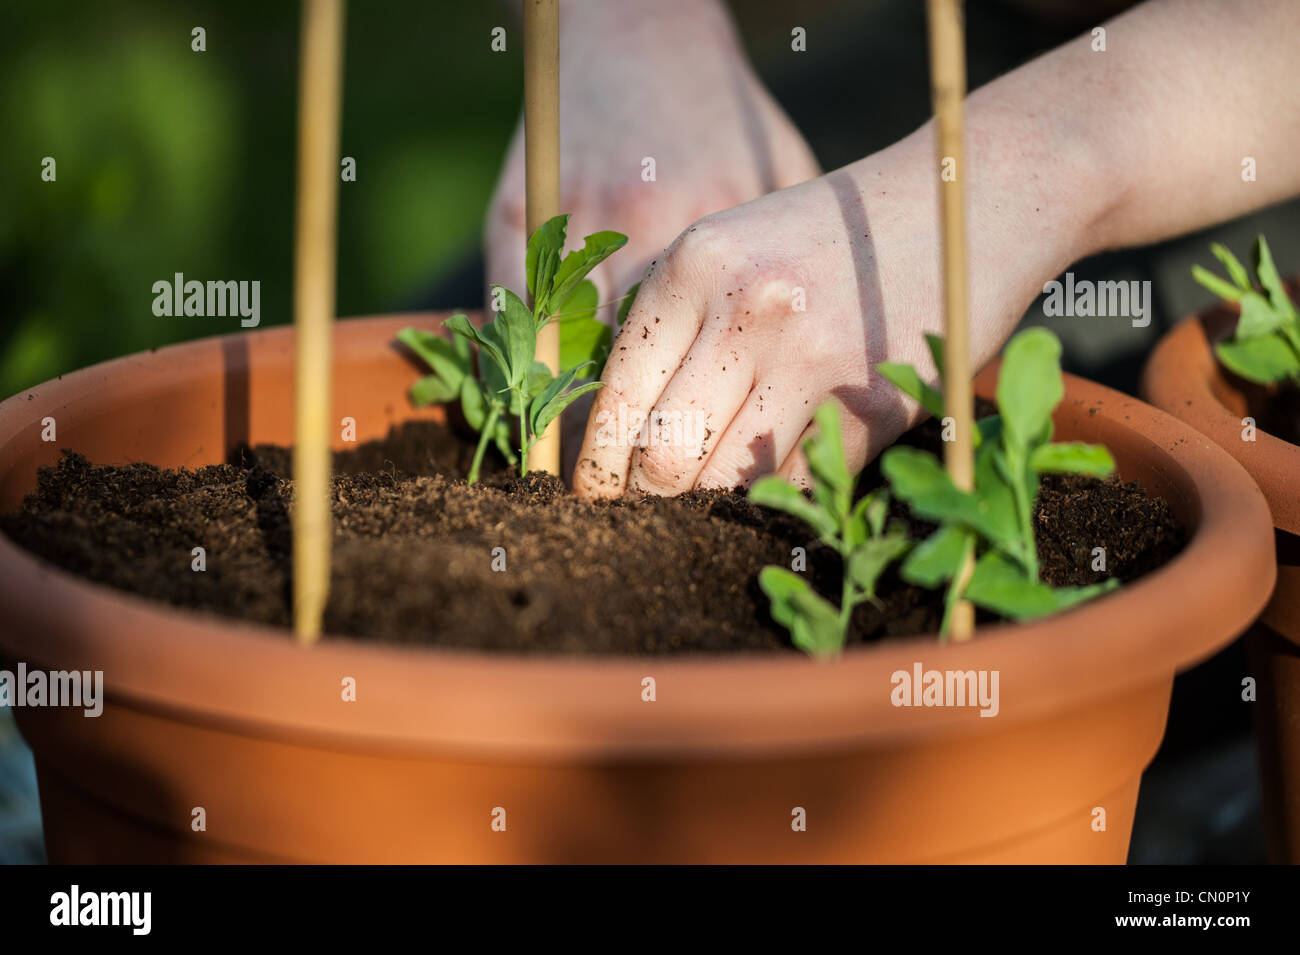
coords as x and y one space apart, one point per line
170 160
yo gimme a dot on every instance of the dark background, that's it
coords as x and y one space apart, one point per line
170 160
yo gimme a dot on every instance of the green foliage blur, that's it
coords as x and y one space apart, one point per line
170 160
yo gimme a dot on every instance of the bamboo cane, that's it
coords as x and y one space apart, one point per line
542 175
319 81
948 88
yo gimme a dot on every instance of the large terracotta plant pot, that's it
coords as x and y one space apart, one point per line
206 712
1185 378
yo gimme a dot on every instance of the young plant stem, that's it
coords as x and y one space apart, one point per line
489 426
524 443
847 602
1024 513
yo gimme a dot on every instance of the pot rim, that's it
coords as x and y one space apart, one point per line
1184 378
490 706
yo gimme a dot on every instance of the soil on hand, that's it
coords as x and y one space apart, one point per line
512 564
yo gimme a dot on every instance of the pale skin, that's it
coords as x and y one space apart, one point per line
1076 152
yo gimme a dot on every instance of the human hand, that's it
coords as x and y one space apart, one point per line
757 315
667 83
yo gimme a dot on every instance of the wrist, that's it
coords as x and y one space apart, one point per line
1030 212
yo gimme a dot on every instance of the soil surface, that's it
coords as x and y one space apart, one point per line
414 550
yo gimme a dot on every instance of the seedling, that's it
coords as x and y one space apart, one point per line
994 522
856 532
1266 346
509 382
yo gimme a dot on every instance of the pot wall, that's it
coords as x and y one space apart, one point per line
236 719
125 791
1184 378
1273 645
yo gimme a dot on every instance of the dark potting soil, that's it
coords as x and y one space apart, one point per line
414 546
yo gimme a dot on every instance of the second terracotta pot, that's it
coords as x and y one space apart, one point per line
1184 378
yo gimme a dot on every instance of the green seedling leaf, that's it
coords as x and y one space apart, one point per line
553 408
1029 385
1236 271
994 478
549 238
996 517
1225 290
507 380
824 451
905 379
1258 317
1266 345
867 519
988 429
1073 457
578 264
920 480
869 560
854 531
584 339
1272 282
520 338
935 344
780 495
536 381
488 344
449 358
473 403
1262 360
628 300
813 622
999 585
937 559
547 264
432 390
876 509
581 304
555 397
495 385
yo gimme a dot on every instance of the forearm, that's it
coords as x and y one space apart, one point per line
1080 151
1185 91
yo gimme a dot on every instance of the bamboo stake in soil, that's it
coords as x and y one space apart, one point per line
542 173
319 79
948 88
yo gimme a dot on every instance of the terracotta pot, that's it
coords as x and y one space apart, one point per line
235 718
1184 377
